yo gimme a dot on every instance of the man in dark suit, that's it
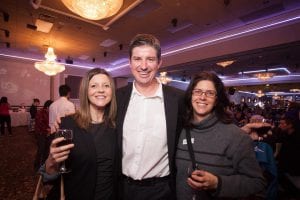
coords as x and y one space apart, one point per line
148 120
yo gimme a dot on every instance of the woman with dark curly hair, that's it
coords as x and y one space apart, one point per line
215 159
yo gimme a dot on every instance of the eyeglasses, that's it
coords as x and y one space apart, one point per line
208 93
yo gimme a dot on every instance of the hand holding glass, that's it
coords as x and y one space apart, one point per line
264 128
67 134
190 169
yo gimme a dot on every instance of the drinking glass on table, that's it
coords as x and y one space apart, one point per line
67 134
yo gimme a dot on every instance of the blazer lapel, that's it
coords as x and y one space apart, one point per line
171 112
123 97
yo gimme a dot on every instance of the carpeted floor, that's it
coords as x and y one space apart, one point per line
17 177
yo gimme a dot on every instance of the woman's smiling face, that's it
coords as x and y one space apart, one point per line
99 91
203 99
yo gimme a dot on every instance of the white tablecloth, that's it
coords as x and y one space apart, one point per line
19 118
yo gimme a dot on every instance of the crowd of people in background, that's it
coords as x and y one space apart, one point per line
276 145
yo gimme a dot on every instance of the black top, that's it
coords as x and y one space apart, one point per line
33 111
288 159
91 162
103 140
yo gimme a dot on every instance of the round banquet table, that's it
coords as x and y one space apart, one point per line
19 118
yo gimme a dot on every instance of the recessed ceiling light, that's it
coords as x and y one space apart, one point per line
225 63
43 26
83 57
108 43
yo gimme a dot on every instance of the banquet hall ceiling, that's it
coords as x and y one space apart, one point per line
176 23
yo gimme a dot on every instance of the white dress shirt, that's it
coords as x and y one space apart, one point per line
145 151
60 108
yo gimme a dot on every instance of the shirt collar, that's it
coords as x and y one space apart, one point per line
158 93
64 97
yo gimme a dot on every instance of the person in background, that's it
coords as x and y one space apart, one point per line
92 153
33 108
215 159
5 116
42 131
147 122
61 107
22 107
288 158
265 140
239 118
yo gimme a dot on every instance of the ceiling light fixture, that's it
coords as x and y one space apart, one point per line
225 63
295 90
283 69
275 96
259 94
94 9
164 79
264 76
50 67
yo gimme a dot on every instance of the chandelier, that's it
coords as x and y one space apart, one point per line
94 9
50 67
264 76
164 79
295 90
276 97
260 94
225 63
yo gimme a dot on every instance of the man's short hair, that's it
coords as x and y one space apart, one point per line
48 103
145 39
64 90
292 117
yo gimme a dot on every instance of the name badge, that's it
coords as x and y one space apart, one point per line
184 141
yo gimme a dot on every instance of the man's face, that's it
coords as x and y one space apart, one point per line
144 64
284 126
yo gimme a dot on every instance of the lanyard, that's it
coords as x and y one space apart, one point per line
190 147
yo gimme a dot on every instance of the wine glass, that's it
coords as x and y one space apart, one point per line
190 170
263 131
67 134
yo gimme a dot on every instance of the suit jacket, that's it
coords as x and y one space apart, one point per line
173 102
